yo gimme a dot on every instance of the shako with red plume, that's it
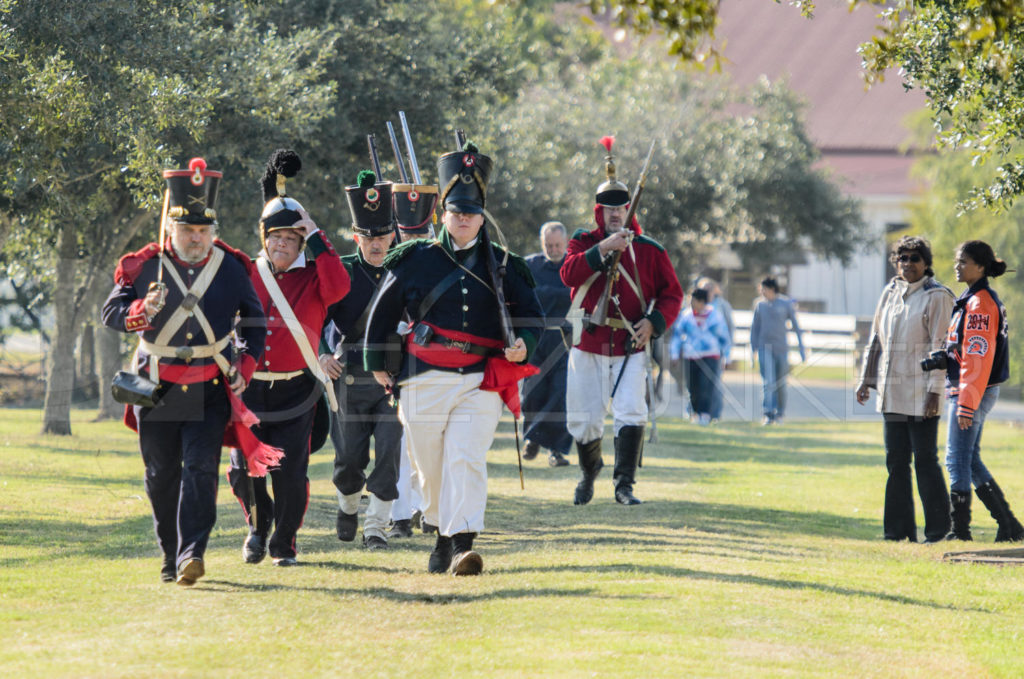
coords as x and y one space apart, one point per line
611 192
192 193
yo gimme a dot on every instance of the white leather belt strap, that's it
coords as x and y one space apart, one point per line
188 307
267 376
187 352
301 341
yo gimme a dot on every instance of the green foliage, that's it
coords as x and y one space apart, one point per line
934 214
728 167
968 58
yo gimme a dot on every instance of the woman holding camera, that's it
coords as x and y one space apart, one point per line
977 363
910 322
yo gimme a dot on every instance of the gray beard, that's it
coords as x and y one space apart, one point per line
185 258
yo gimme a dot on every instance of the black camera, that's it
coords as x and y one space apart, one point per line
934 361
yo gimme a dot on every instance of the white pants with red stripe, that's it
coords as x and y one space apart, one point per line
449 427
589 387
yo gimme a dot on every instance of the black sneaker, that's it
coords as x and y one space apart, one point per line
346 525
254 549
169 572
400 529
556 459
374 543
531 450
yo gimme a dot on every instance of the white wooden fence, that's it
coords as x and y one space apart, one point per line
829 339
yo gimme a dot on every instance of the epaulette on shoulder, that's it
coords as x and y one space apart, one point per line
400 252
649 241
350 260
579 233
518 263
129 266
246 260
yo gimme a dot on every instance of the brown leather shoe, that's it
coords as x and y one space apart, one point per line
467 563
190 571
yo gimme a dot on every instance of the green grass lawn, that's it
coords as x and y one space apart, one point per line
757 553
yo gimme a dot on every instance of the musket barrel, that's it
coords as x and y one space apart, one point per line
398 153
371 142
413 165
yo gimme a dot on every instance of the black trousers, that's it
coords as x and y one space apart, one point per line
285 409
913 438
180 440
364 410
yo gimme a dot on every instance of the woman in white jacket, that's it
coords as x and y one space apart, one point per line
910 323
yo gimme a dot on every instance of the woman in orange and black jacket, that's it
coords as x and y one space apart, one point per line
977 363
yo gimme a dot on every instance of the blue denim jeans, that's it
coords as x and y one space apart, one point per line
774 368
963 446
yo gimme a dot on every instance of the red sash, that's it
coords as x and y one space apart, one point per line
500 375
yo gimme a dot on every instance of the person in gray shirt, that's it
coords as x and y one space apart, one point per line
769 344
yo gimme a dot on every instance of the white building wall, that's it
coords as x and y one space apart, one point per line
854 289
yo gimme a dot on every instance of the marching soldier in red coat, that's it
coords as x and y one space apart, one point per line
295 292
181 298
644 299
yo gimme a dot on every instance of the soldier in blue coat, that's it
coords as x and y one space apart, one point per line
544 394
183 303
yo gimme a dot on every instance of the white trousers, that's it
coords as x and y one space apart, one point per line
589 386
449 426
408 500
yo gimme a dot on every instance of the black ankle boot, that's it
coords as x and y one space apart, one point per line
441 557
464 560
590 467
629 445
961 515
991 495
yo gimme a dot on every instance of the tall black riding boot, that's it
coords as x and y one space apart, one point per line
961 515
590 467
629 445
991 495
465 561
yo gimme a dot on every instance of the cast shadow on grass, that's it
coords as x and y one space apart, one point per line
706 517
400 596
757 580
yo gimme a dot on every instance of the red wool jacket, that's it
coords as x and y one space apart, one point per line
657 281
309 290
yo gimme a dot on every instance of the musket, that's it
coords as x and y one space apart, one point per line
398 153
413 165
460 139
371 142
158 284
599 316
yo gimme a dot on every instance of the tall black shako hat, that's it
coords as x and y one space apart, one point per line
280 211
612 192
371 205
414 207
192 193
462 177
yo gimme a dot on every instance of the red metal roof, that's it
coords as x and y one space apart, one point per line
859 131
819 59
